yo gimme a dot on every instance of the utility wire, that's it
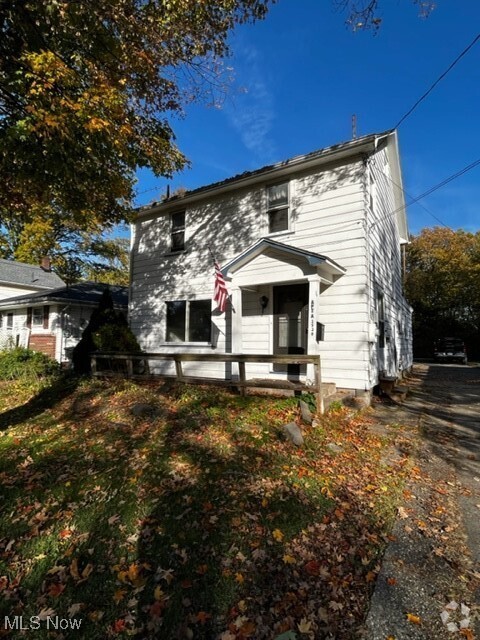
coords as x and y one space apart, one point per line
441 184
412 198
457 59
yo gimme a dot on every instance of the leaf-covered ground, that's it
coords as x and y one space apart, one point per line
191 520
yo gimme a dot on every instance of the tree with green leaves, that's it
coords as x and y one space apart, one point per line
86 93
88 90
443 286
75 254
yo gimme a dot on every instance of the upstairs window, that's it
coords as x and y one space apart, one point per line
177 232
189 321
277 207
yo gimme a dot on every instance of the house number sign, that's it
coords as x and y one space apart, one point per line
312 318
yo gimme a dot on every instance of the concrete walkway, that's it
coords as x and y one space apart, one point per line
433 561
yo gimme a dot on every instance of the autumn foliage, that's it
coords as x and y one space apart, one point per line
443 286
192 519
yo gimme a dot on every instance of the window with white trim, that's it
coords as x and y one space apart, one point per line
177 231
189 321
38 316
277 207
6 321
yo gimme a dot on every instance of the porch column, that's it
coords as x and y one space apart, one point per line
236 294
313 302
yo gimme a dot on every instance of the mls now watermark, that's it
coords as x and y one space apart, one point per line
19 623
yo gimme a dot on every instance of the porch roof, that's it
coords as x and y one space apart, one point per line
324 265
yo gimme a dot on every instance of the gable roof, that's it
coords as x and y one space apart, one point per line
324 264
364 145
82 293
28 275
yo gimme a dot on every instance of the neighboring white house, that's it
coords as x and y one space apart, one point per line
53 321
19 278
311 249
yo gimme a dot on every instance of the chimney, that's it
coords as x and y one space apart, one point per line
46 264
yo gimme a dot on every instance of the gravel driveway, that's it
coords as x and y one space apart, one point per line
433 560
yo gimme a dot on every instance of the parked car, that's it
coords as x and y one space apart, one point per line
450 350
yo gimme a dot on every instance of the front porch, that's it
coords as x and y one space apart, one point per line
275 306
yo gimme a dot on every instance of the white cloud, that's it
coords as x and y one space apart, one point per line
251 112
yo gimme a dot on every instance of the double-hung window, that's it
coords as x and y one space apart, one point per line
189 321
277 207
177 231
37 317
7 321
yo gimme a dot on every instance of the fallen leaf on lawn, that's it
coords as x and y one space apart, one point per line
278 535
203 616
444 616
391 581
156 609
402 512
119 595
87 571
467 633
119 625
304 626
113 519
239 578
202 569
289 559
411 617
46 613
55 589
75 608
74 569
158 594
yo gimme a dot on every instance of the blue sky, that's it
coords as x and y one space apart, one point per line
300 74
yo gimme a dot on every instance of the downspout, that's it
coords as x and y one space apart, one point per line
368 266
130 271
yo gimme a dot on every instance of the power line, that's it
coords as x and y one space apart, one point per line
439 185
412 198
457 59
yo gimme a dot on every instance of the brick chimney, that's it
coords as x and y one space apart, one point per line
46 264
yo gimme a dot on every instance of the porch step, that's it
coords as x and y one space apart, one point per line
389 387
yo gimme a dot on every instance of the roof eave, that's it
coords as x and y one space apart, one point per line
348 149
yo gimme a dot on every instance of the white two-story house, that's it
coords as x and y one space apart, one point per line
311 250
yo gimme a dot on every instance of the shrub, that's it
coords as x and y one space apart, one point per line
107 330
21 363
115 335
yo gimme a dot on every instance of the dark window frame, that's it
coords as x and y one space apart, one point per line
189 321
177 231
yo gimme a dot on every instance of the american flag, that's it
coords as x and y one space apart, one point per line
220 294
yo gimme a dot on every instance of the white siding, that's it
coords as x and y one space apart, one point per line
386 269
330 215
10 291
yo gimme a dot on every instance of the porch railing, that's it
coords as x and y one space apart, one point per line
131 371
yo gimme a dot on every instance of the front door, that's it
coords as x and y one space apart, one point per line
290 308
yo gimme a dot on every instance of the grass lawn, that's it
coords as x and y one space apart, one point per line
195 520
